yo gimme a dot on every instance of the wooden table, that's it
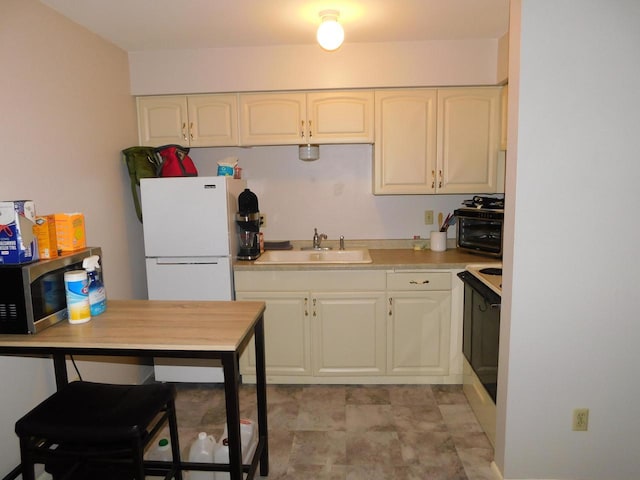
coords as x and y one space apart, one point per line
156 328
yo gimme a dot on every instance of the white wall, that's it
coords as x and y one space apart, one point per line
570 328
66 113
294 67
332 193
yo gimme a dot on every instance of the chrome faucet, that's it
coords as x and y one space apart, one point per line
317 238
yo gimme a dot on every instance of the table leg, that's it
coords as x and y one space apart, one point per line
231 395
60 369
261 392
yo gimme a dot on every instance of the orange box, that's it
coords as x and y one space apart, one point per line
45 232
70 233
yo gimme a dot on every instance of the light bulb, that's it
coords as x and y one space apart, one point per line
330 33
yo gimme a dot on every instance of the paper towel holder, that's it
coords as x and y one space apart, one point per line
309 152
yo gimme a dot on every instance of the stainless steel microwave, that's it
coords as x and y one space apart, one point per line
480 230
32 296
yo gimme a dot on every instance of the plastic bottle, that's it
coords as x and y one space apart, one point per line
202 450
76 289
97 292
162 452
248 440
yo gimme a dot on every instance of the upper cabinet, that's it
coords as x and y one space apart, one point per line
297 118
468 140
504 116
191 120
405 148
436 141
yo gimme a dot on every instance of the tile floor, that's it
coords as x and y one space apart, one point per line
390 432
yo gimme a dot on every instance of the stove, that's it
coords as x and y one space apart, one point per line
490 274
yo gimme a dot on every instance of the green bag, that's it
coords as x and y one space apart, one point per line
142 162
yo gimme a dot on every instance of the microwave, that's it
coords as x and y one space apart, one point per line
33 296
480 230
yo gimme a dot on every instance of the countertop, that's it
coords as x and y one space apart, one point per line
388 258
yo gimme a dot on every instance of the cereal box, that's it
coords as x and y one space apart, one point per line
70 233
17 242
45 232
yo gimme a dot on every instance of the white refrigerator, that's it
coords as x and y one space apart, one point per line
189 241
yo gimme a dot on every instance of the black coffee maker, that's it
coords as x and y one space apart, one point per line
248 223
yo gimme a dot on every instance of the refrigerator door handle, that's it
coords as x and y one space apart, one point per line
187 261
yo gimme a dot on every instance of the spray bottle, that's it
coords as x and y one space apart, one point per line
97 292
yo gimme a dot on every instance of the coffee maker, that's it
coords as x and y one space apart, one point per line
248 223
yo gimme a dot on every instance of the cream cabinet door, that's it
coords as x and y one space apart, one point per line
468 139
418 330
213 120
272 118
405 141
504 116
348 331
162 120
286 334
340 117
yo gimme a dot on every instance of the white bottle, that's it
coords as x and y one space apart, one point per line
248 440
202 450
162 452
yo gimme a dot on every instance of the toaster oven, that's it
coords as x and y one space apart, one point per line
480 230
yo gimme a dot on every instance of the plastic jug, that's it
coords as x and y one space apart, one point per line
248 440
202 450
162 452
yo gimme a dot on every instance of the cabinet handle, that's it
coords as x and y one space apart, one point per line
191 130
440 182
413 282
302 129
433 179
314 307
390 306
184 130
310 132
306 307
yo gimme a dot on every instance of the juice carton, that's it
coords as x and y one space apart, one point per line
45 232
17 242
70 233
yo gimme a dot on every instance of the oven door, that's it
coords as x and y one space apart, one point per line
481 330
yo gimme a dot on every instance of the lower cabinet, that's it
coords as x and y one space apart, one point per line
351 326
348 333
287 340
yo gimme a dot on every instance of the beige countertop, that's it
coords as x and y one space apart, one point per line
387 258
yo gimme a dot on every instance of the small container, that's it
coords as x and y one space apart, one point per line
438 241
76 285
417 243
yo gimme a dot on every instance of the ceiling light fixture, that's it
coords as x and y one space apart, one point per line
330 33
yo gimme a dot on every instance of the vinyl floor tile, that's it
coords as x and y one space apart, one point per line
352 432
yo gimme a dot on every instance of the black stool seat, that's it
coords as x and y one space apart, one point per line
86 412
87 420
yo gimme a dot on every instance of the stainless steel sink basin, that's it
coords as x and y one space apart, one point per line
359 255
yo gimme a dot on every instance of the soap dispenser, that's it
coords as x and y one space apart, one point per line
97 292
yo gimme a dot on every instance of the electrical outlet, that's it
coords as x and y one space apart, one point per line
581 419
263 220
428 217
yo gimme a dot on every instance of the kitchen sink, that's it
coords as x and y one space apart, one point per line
270 257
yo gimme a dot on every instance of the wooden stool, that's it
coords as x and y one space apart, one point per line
94 430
